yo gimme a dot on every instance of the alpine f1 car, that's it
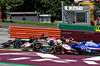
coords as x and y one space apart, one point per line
88 47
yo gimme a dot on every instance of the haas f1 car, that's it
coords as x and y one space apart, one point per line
16 43
47 44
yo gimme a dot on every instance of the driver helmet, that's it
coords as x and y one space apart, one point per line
67 40
51 42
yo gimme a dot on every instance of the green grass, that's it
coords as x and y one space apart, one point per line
34 22
14 64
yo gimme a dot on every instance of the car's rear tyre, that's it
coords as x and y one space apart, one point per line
58 49
17 44
37 46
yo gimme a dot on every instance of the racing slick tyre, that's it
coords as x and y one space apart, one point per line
58 49
17 43
37 46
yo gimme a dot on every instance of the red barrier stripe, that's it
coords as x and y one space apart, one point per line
26 32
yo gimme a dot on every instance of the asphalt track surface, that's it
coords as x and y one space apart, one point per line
6 25
18 58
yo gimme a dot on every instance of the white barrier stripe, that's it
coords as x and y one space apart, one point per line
90 62
47 55
21 58
41 60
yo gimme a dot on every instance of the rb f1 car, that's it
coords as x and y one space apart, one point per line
89 47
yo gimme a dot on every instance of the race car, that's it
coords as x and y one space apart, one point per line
38 43
16 43
47 44
86 47
59 46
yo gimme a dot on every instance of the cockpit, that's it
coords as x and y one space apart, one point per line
90 43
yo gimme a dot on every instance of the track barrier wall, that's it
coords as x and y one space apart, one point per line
80 32
79 27
81 35
26 32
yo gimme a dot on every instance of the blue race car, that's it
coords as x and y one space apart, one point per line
89 47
